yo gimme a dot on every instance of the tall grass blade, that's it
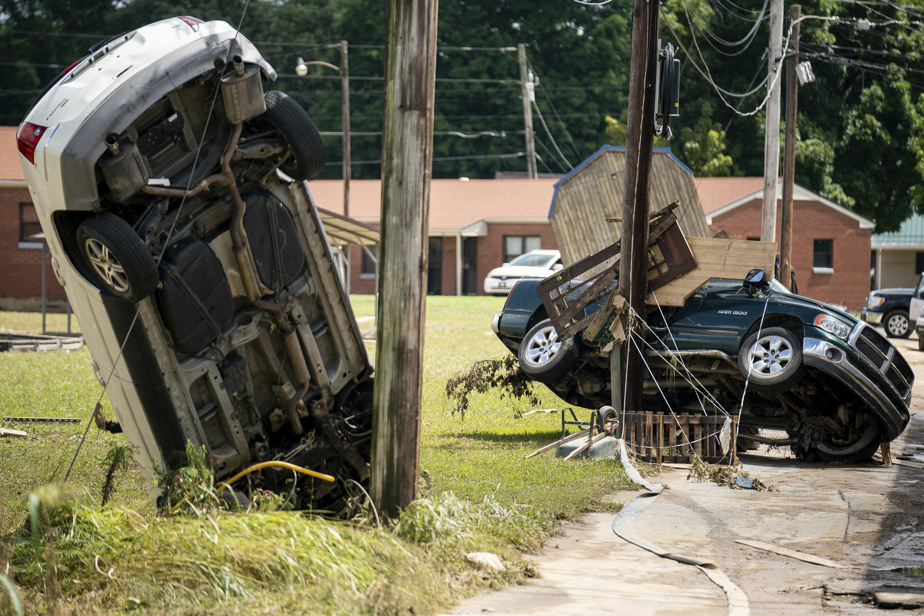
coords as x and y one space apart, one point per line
15 601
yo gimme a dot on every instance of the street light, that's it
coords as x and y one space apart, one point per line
301 69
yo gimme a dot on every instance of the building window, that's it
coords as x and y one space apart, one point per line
515 245
823 257
751 238
918 263
28 224
367 269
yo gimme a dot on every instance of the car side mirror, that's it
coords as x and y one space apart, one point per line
557 267
755 280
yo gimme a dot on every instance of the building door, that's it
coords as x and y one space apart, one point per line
469 266
435 267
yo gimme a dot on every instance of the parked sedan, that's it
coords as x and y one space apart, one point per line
834 384
172 191
533 264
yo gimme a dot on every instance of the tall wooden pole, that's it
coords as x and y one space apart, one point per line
407 157
772 127
789 155
345 119
633 266
527 94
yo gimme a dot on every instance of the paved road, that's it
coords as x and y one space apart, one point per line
865 518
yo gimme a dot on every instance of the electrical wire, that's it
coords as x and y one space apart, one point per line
549 133
554 110
746 41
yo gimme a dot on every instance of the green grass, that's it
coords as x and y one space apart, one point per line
483 495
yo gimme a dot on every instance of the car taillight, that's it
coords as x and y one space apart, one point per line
27 138
192 22
71 67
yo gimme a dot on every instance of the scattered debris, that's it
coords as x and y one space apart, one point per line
481 376
885 450
486 560
724 475
809 558
899 600
61 420
560 441
21 341
7 432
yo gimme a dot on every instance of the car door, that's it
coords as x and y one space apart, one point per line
713 318
916 309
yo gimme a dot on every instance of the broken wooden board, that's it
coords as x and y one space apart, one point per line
809 558
715 258
8 432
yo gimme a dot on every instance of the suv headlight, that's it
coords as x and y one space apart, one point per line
833 326
874 301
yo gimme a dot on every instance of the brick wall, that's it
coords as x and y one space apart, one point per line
850 282
490 255
491 246
21 270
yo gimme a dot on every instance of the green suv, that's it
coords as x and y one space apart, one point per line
834 385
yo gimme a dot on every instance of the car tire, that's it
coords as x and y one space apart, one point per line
545 358
771 360
896 324
119 261
920 342
299 131
607 415
855 452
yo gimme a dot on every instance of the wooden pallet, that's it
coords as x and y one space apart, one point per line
662 437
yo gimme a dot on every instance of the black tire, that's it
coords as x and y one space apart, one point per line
856 451
606 415
771 360
896 324
299 132
545 358
920 343
118 260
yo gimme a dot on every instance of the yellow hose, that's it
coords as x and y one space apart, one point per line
291 467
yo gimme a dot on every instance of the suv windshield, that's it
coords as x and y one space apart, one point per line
533 260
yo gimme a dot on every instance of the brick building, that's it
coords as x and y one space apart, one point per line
20 253
475 226
898 256
831 244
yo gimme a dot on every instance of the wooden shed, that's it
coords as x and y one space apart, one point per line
595 189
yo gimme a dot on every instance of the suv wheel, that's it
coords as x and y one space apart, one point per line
299 132
118 259
896 324
853 449
545 358
771 360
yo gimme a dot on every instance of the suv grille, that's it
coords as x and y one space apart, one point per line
886 358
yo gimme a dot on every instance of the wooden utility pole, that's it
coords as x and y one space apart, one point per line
633 266
772 129
407 157
528 94
789 154
345 119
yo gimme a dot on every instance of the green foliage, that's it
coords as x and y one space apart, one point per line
503 374
704 147
189 489
119 458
